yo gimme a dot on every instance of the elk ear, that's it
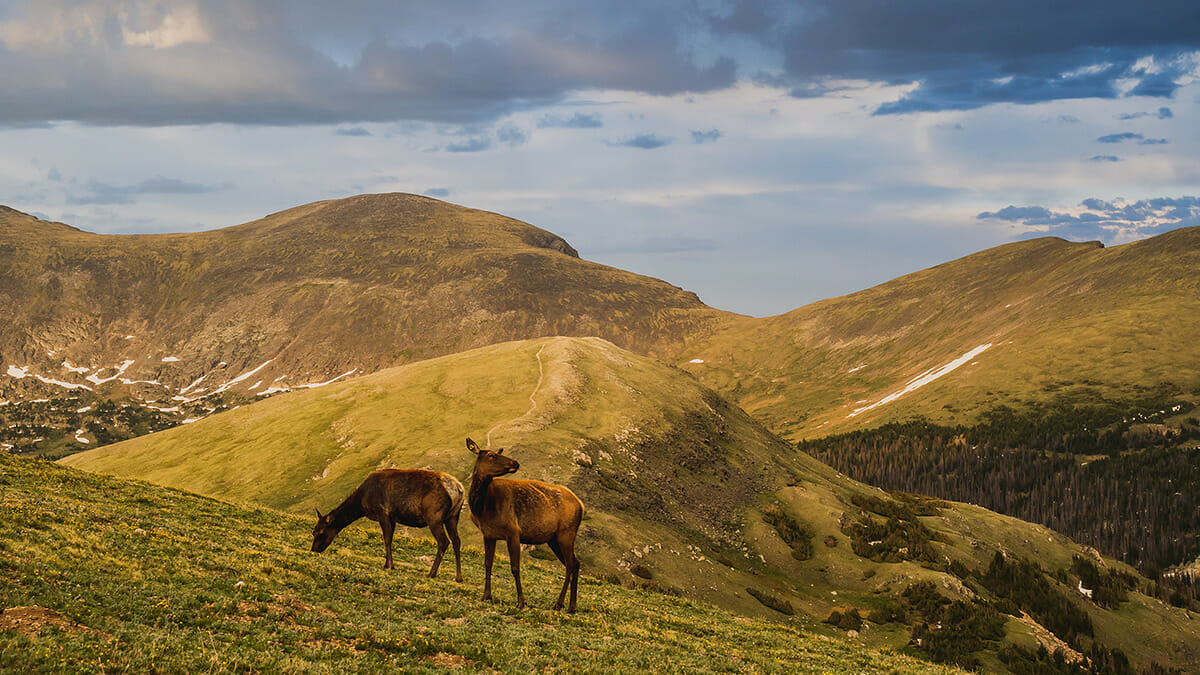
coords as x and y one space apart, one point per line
500 451
472 447
319 516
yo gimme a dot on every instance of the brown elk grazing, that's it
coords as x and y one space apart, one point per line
522 512
413 498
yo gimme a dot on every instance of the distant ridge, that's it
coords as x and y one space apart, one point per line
1057 319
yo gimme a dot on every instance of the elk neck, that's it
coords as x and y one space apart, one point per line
477 496
347 512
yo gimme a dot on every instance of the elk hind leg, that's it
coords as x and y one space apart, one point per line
565 550
443 542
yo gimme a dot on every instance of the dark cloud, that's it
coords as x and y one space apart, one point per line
1120 138
304 63
280 63
643 141
1106 220
437 192
1104 158
511 135
352 131
1014 213
972 53
1153 141
710 136
96 192
1163 113
576 121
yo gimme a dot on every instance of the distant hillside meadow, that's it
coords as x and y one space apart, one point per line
990 464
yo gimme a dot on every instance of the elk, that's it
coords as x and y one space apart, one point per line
414 498
522 512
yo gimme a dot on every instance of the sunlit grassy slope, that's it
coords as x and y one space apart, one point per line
1062 320
677 482
99 574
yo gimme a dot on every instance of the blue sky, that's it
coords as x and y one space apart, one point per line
765 154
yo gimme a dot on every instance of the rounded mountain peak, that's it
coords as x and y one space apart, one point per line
402 217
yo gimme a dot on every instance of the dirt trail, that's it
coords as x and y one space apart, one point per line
532 400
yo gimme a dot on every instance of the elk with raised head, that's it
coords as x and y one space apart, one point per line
522 512
410 497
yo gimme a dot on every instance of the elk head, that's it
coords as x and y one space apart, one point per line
323 533
490 464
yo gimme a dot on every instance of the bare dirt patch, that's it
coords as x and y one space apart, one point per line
31 620
444 660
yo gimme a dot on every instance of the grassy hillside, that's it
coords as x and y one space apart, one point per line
685 493
1027 322
108 575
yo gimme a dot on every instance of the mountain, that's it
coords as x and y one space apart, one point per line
686 494
183 325
383 329
1029 322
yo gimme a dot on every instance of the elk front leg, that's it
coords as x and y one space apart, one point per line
388 529
514 561
489 552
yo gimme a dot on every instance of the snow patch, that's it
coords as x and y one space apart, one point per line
224 387
322 384
154 382
23 372
75 369
190 387
95 378
170 359
1085 591
924 379
696 361
856 369
80 438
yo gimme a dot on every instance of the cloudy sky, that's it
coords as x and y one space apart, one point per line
765 154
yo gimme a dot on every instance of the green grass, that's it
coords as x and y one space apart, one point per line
154 579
